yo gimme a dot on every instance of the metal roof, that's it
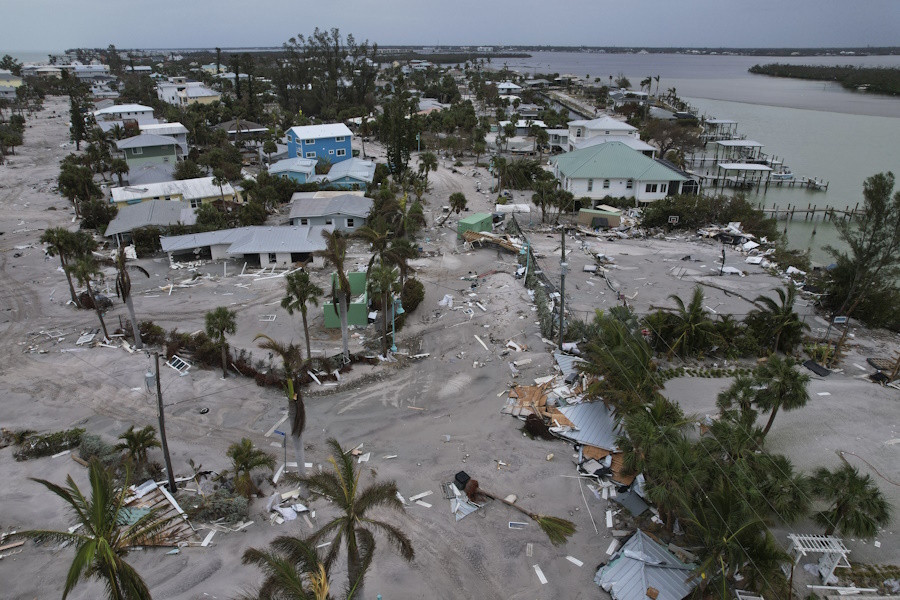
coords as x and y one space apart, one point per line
123 108
721 122
146 140
604 122
150 173
294 165
596 140
159 213
245 126
280 239
743 167
164 128
595 423
314 132
567 364
740 143
643 563
345 204
189 189
191 241
357 168
613 160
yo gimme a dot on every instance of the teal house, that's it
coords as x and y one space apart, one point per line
357 310
350 174
301 170
149 149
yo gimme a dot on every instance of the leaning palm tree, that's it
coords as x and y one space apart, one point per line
785 387
136 443
781 320
458 204
292 360
335 252
692 329
85 269
59 243
383 284
219 323
353 526
377 233
102 536
300 292
857 507
123 291
244 460
220 180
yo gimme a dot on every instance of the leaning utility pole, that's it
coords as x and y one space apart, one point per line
562 289
162 427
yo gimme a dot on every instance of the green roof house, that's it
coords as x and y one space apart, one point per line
357 310
614 169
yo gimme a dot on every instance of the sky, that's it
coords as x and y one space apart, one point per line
54 25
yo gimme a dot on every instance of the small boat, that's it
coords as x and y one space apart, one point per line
783 175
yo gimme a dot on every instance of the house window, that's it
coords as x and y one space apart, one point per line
650 188
578 133
663 187
310 141
137 150
329 221
342 152
304 221
331 152
350 223
339 139
606 184
606 133
630 184
272 257
195 203
590 185
310 155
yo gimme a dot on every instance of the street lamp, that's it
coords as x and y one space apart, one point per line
396 309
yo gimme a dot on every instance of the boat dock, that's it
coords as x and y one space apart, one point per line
827 213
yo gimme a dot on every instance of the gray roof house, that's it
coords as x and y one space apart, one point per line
260 246
642 564
344 212
149 148
353 173
156 213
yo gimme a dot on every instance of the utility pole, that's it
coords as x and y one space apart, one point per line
162 427
562 289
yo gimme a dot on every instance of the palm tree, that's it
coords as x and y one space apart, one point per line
672 472
103 539
378 235
383 282
693 331
781 320
353 527
785 387
646 83
118 167
136 443
220 180
244 460
60 243
657 84
479 148
300 291
427 162
458 203
408 218
740 395
787 493
294 571
857 507
219 323
123 291
335 252
85 269
293 363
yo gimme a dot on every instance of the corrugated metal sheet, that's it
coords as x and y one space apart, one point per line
164 128
567 364
146 140
613 160
294 165
314 132
159 213
189 189
363 170
350 205
642 563
263 240
177 243
595 422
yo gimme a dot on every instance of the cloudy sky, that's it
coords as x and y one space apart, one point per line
45 25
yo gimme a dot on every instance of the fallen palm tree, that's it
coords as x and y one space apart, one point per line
558 530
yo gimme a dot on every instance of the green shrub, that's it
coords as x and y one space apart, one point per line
36 446
412 294
93 446
221 504
146 241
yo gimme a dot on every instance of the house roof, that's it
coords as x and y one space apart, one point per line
594 422
604 122
159 213
294 165
508 85
244 125
163 128
355 168
122 108
151 173
345 204
314 132
146 140
198 91
252 240
524 123
740 144
613 160
190 189
643 563
633 143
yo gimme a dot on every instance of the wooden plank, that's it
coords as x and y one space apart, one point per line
12 545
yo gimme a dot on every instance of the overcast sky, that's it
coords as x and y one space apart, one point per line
44 25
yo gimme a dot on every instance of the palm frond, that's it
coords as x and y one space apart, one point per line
396 537
557 529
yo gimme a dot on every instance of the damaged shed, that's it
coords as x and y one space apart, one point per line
644 569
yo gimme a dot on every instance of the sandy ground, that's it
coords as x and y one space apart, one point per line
406 409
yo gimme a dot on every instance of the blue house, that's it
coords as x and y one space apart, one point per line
301 170
329 142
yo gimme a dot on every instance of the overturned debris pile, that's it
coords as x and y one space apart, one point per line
505 241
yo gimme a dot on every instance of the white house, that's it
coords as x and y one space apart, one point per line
613 169
124 112
173 130
604 125
344 212
259 246
508 88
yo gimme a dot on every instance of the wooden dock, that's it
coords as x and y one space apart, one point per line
810 213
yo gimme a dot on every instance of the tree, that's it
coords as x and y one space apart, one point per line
220 180
136 443
76 183
76 115
458 203
857 507
219 323
244 460
670 135
269 147
335 253
218 60
397 130
692 331
353 527
210 218
300 291
11 64
187 169
479 148
123 291
427 162
382 281
785 387
118 167
65 244
101 537
779 319
85 269
871 266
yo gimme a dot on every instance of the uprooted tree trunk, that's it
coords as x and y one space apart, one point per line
558 530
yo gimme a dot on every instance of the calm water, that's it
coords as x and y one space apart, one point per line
821 130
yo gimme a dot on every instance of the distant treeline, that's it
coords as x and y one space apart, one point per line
882 80
448 57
